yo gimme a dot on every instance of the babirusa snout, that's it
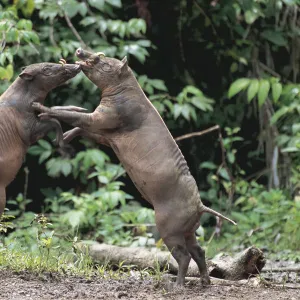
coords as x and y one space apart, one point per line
72 68
83 54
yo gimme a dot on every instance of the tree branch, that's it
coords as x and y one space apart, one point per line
51 33
223 164
206 16
269 70
75 32
198 133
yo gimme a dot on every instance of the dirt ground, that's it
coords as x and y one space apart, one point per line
24 285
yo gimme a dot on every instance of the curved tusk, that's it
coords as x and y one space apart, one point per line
100 54
62 61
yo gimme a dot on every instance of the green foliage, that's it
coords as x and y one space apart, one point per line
260 88
190 99
287 118
220 177
245 39
186 104
14 31
238 86
5 223
265 218
99 211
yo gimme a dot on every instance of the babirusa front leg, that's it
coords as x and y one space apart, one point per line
43 127
98 138
76 119
69 108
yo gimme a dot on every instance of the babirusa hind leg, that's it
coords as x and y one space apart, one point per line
198 255
178 249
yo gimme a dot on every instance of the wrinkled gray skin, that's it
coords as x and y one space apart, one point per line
128 122
19 126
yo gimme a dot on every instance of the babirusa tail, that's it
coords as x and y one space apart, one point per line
213 212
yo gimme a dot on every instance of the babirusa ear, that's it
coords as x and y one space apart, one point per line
124 64
124 60
26 75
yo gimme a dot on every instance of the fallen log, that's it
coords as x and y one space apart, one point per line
241 266
245 264
281 270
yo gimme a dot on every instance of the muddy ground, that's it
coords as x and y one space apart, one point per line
25 285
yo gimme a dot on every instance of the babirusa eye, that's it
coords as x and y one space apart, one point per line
47 71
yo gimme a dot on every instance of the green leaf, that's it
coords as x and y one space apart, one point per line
2 73
28 8
250 16
12 35
238 86
142 80
82 9
148 89
87 21
193 113
186 111
30 36
144 43
252 89
202 103
296 128
138 52
240 200
231 157
103 179
66 167
9 72
192 90
46 145
264 87
99 4
177 110
50 12
279 113
290 149
98 157
159 106
208 165
74 218
35 38
44 156
122 30
159 84
35 150
276 91
197 101
274 37
116 3
53 167
71 8
223 173
169 104
24 24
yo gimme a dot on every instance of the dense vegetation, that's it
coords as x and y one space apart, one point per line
233 63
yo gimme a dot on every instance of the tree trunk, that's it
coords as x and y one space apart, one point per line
244 264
